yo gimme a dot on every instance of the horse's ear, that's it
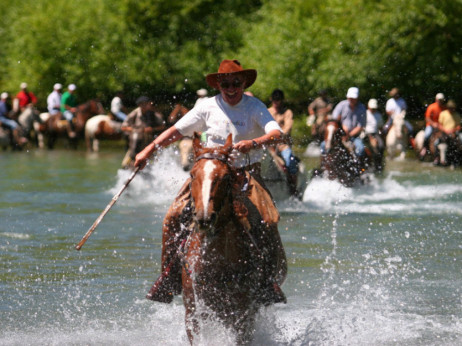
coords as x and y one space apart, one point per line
229 143
197 142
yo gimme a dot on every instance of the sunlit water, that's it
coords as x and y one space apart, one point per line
378 265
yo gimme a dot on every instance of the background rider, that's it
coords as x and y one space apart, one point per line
351 113
318 111
54 99
7 122
142 125
285 118
431 120
117 107
69 107
374 124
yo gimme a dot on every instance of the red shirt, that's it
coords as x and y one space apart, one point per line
26 98
433 112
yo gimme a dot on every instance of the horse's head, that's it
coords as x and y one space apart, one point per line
90 108
211 182
333 134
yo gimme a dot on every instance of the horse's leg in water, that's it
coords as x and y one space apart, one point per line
174 230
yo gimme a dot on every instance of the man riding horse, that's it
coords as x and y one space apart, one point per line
351 113
68 108
449 126
252 127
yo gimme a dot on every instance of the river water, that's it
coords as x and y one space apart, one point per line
378 265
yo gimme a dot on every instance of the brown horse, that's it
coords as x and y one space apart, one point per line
221 263
339 162
56 127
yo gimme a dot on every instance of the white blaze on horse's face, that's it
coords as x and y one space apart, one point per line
209 169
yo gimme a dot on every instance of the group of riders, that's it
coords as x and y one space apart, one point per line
365 132
364 128
19 120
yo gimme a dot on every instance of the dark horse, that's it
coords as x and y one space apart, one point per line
222 264
339 162
446 149
56 127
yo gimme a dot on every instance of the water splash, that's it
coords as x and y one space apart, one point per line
158 183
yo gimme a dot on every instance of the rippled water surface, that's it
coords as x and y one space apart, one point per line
378 265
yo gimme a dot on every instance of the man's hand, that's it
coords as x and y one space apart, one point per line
244 146
141 160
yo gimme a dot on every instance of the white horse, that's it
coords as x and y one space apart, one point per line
101 127
30 120
397 138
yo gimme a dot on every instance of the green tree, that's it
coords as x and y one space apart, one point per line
302 47
68 42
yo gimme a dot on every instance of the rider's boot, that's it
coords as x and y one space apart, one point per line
174 232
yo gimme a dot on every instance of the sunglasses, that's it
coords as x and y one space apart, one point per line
227 84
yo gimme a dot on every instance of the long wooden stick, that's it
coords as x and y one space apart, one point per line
105 211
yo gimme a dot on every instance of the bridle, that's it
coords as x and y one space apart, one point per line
214 156
224 158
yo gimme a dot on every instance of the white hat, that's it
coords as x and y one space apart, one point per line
372 104
352 93
201 92
4 95
440 96
23 85
72 87
57 86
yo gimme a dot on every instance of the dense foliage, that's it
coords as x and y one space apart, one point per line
165 47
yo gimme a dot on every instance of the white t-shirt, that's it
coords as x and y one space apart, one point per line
54 102
248 119
116 105
373 122
395 106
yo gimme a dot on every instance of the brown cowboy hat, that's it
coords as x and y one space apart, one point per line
231 67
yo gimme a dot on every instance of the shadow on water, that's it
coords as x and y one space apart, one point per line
376 265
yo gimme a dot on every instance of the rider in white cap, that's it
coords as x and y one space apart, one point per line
54 100
68 107
351 113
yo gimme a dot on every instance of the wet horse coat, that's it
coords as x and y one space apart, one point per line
222 264
339 163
